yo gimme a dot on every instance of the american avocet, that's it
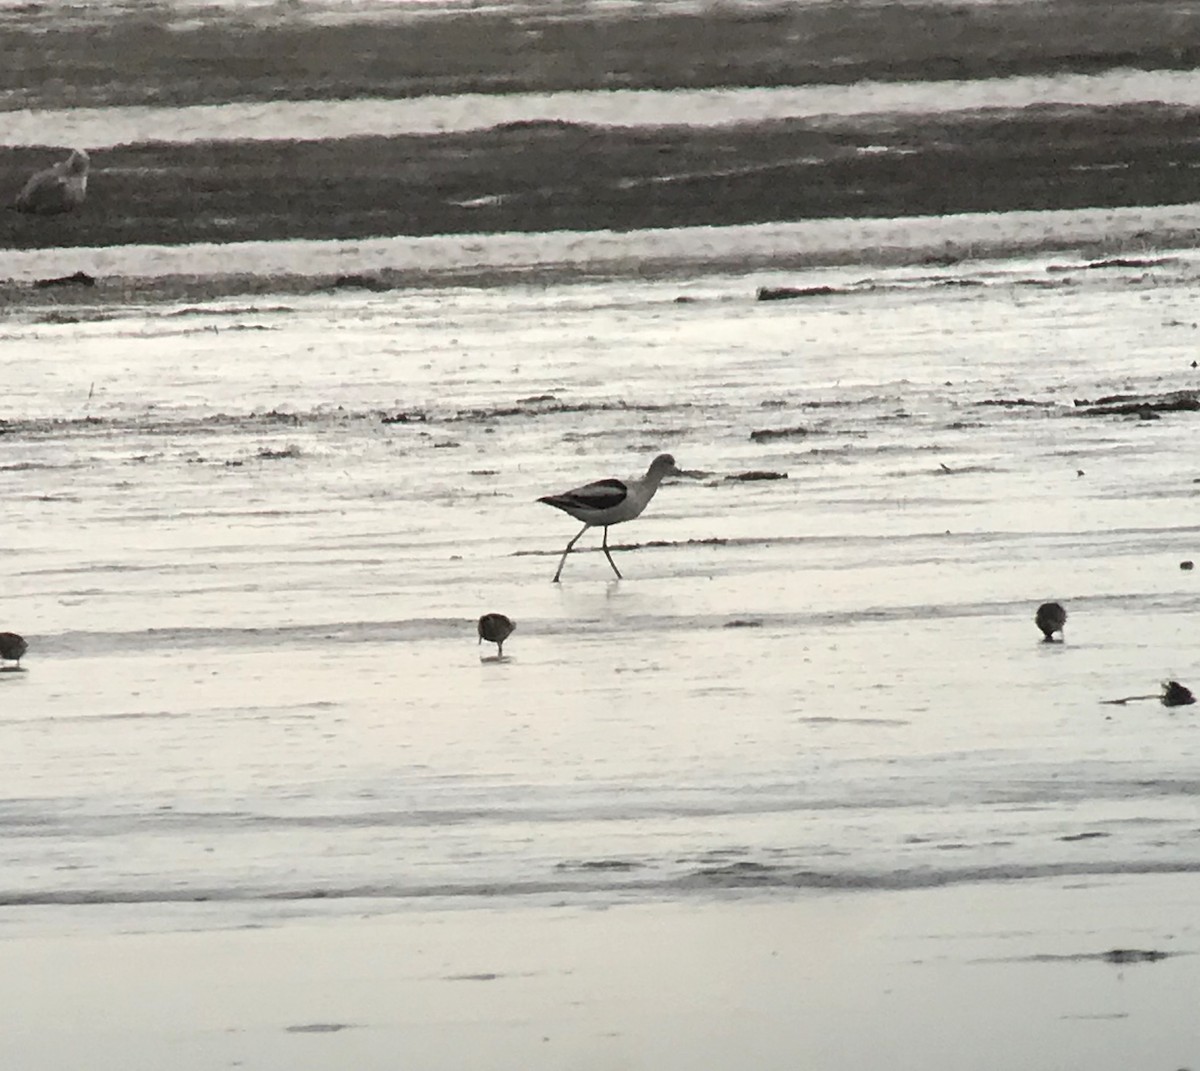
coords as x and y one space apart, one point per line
607 502
56 189
496 628
12 647
1050 618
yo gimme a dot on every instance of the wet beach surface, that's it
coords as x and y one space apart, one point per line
258 774
810 644
806 784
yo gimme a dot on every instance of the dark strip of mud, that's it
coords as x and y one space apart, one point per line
537 177
416 419
148 54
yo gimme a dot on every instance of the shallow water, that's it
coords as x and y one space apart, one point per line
253 676
681 253
100 128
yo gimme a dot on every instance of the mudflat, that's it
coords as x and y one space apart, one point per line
74 56
529 177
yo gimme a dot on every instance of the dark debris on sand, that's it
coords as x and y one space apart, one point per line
1134 955
361 282
766 435
1120 956
755 475
789 293
79 278
1146 406
1173 694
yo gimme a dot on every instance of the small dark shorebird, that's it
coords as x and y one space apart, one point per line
12 647
1175 694
608 502
496 628
1050 618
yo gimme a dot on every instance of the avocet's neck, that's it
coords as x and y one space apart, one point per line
661 466
654 476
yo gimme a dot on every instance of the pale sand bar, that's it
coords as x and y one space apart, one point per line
1001 976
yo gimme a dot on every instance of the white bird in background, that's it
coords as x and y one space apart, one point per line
607 502
57 189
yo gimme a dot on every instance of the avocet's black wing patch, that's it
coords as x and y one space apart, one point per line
601 495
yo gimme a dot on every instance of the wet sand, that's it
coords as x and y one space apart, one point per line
149 537
65 285
250 745
1095 974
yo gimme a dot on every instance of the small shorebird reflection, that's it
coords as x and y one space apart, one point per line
496 628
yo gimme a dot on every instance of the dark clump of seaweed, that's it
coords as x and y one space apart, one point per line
790 293
548 405
1113 262
79 278
361 282
756 474
766 435
1146 406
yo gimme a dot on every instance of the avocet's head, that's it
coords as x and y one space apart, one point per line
664 465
